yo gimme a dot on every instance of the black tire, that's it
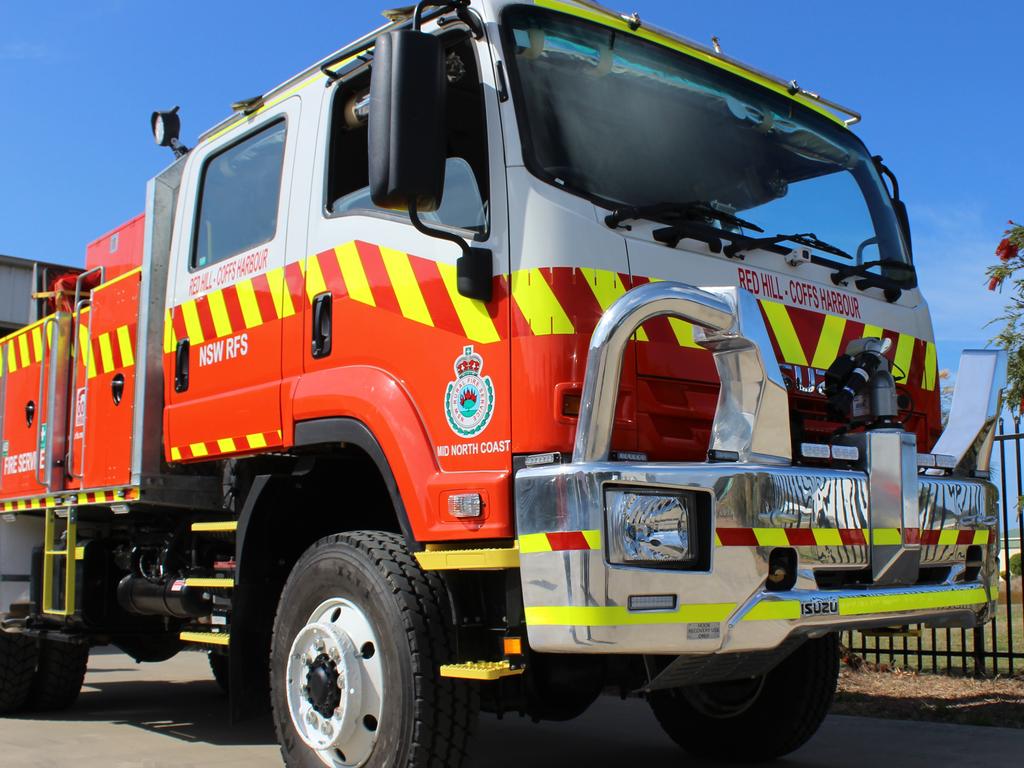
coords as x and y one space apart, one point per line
758 720
426 720
219 666
59 676
18 655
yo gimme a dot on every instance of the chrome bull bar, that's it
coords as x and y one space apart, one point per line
579 601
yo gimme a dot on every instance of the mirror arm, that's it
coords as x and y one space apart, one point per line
474 268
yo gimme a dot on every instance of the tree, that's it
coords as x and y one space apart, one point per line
1009 270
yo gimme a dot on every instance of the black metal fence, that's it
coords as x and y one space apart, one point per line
994 649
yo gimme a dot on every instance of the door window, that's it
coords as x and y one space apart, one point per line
240 191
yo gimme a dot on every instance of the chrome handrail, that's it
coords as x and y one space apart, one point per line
48 348
752 418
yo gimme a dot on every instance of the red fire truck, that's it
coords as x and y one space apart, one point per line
515 352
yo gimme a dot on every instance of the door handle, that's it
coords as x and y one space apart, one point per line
181 366
322 325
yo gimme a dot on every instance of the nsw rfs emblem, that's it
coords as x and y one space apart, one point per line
469 400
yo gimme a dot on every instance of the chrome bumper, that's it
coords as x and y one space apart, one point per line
903 545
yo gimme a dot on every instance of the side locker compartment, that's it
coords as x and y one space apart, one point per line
36 365
106 386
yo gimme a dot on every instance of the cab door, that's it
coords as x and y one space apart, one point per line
227 292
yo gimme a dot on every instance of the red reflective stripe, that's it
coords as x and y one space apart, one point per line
801 537
852 536
930 537
737 537
965 537
911 535
567 540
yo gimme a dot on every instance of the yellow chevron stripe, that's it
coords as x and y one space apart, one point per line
620 615
948 538
827 537
476 323
530 543
226 445
930 366
170 340
828 343
247 301
872 332
106 353
198 450
190 315
256 440
37 344
406 286
175 454
887 536
12 358
279 293
356 284
219 313
785 334
315 283
538 303
903 358
981 537
85 350
606 287
124 344
23 348
771 537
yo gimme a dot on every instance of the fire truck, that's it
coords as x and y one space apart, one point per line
515 353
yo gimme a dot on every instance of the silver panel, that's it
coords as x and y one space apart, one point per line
577 602
147 426
56 370
970 428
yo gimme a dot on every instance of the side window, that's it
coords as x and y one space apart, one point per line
239 193
464 203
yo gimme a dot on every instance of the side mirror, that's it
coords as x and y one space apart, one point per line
407 121
898 206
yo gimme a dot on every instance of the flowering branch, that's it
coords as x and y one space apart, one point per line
1010 252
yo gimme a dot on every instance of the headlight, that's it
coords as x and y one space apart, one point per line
649 526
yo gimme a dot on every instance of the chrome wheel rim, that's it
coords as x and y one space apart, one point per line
335 684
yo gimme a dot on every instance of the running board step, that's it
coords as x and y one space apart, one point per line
481 670
434 558
221 526
210 583
206 638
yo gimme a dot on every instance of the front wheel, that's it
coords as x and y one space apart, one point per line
359 636
758 718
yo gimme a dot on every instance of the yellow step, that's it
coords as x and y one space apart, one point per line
206 638
221 526
436 559
481 670
210 583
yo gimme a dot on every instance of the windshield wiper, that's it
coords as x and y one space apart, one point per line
808 239
848 271
672 213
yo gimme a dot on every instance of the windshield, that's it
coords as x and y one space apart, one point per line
625 122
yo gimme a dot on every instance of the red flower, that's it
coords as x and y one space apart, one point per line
993 283
1006 250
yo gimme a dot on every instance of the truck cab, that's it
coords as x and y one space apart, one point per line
511 352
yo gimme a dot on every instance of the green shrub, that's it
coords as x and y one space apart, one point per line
1015 565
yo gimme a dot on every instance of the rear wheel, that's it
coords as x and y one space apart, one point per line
59 677
359 636
219 667
18 656
758 718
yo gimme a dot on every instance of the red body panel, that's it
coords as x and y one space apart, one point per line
107 342
24 353
120 250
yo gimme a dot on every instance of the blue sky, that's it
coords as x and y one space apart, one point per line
937 83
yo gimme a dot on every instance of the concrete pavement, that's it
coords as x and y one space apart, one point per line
172 715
